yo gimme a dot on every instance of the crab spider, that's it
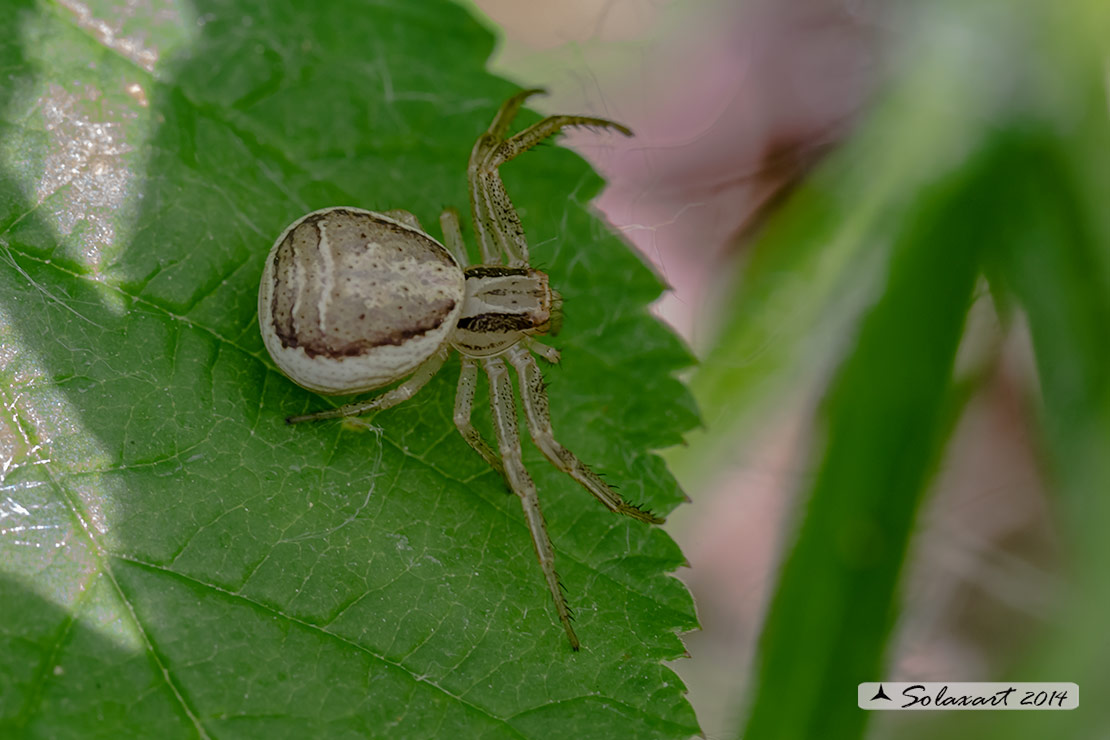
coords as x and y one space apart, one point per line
353 300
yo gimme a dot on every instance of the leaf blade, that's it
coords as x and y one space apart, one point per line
165 436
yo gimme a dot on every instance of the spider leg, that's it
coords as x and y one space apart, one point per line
507 112
392 397
549 126
464 403
452 235
536 412
503 407
496 222
546 352
487 223
399 214
500 234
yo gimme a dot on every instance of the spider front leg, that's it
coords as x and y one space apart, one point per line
390 398
491 241
496 224
549 126
507 112
534 397
503 408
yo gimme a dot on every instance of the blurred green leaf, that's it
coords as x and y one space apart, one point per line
1051 253
884 421
1008 182
178 562
822 259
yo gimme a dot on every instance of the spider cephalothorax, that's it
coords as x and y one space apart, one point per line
353 300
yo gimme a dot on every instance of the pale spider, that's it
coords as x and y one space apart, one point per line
352 300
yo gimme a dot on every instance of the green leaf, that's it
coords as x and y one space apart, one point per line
985 159
822 258
884 422
177 561
1051 255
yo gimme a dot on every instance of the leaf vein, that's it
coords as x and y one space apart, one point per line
321 630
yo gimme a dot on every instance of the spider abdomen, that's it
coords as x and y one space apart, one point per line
352 300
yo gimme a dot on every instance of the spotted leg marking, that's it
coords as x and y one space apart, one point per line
534 397
505 115
508 441
491 242
549 126
496 224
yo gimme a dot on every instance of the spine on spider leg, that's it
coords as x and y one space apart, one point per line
545 553
537 412
503 410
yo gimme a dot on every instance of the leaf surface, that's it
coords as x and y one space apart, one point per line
177 561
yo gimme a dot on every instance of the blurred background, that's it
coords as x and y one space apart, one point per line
790 158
